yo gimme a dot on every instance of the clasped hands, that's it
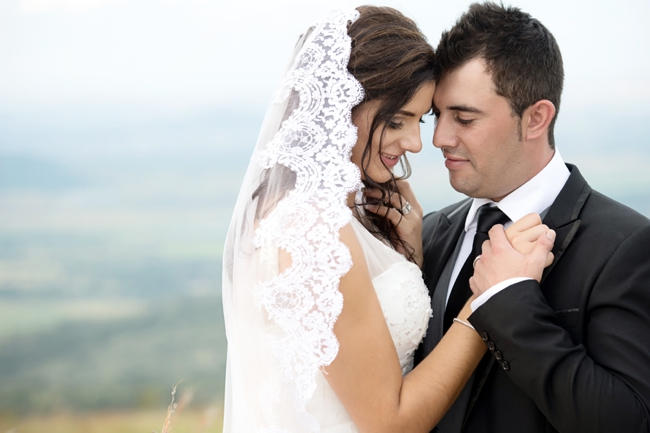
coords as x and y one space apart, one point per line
523 250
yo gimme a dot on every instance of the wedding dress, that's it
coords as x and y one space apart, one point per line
283 258
405 303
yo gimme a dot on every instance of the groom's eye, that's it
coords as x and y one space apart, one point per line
463 121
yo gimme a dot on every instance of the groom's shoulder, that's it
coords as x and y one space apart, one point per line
456 210
600 210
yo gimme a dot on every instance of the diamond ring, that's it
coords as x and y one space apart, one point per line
406 209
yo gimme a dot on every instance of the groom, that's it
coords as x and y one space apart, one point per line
571 354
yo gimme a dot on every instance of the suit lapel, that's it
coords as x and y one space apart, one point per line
439 245
445 236
563 217
564 214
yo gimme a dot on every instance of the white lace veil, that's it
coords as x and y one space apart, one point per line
283 260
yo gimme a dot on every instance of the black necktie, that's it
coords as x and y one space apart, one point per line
487 217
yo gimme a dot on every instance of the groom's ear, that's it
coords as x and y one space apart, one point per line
537 119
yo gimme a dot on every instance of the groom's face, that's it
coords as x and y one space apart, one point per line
479 135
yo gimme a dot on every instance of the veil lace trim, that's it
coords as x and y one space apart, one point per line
314 142
293 200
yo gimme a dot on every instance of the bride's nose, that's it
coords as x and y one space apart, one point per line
412 142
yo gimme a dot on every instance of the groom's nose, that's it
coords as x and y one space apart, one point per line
443 134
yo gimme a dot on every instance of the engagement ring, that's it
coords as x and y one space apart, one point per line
406 209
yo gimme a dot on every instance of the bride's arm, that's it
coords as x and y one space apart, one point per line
366 374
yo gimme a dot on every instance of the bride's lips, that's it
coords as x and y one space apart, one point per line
389 160
453 162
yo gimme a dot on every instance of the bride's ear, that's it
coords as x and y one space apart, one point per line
537 119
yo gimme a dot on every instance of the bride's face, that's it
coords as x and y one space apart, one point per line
401 134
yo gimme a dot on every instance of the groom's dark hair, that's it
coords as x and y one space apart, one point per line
521 55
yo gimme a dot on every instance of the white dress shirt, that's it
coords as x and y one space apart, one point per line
536 195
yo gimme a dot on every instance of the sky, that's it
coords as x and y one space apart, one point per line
150 78
175 54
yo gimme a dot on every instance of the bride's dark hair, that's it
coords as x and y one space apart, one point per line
391 58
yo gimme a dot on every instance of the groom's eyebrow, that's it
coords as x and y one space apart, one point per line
465 108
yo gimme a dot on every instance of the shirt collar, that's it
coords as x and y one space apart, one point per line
536 195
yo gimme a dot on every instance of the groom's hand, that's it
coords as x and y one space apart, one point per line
523 233
499 261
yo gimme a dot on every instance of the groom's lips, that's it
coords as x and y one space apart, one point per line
455 162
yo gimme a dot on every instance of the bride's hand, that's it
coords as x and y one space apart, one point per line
499 261
404 211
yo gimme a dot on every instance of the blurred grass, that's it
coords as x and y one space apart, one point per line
116 364
188 421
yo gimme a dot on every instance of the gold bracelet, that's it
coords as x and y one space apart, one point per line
464 322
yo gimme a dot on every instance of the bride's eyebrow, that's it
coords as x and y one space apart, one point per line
406 113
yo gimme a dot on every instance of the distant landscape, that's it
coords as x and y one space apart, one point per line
111 229
110 266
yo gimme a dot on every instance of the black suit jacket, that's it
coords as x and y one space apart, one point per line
571 354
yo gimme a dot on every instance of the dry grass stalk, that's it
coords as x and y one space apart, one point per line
174 407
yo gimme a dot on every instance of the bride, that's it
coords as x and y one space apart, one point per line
323 296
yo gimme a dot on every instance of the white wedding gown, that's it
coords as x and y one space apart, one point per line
255 383
405 302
